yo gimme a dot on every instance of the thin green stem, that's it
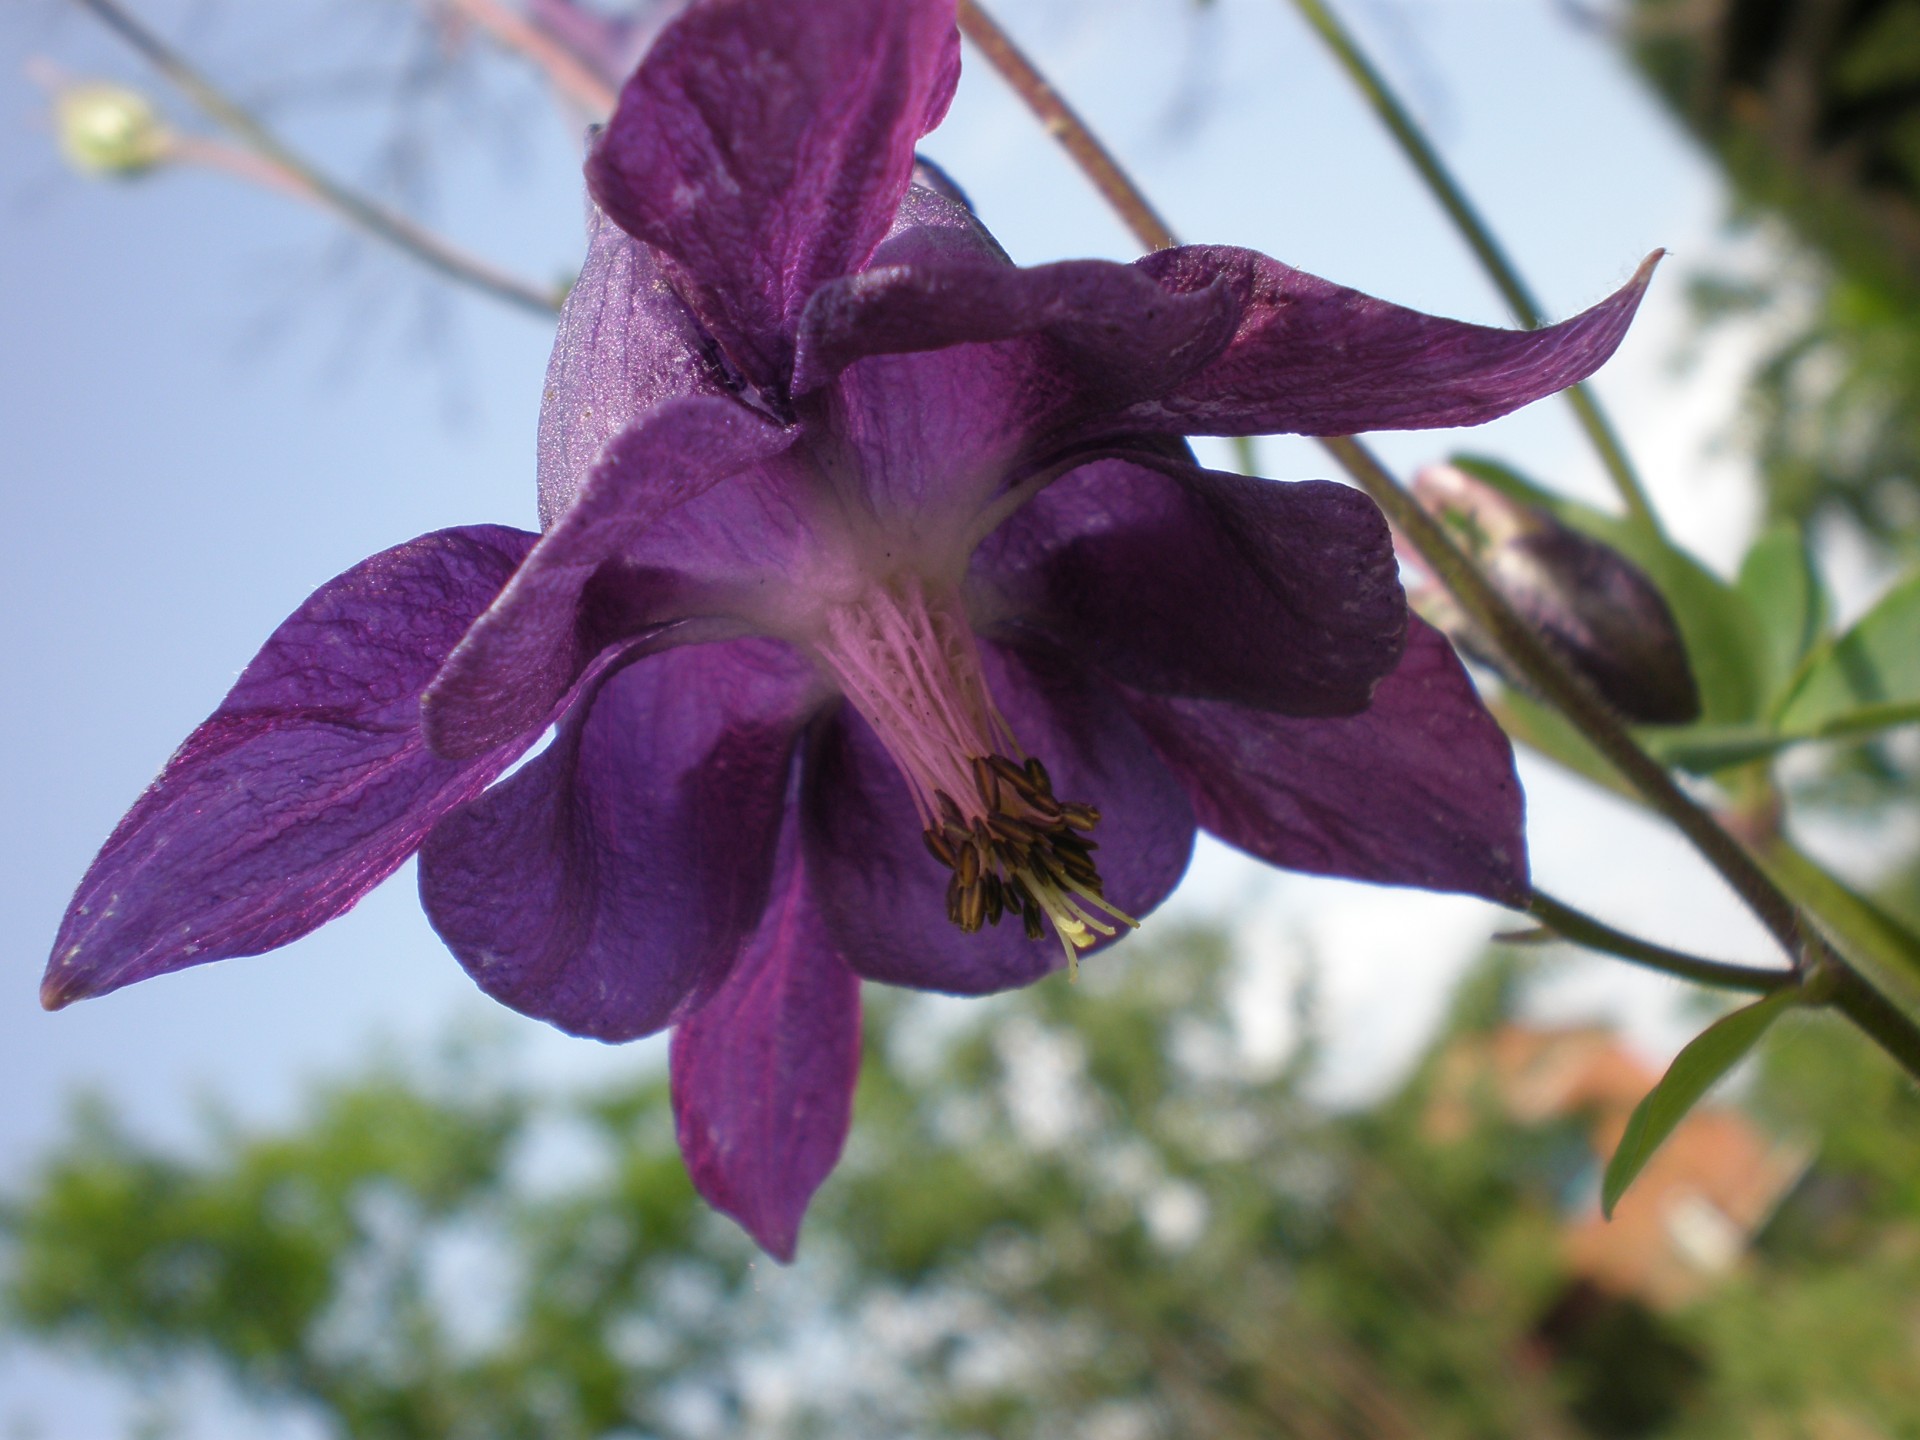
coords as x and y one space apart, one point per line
368 215
1466 219
1583 929
1096 162
1877 1016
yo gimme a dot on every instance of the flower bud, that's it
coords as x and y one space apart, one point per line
109 130
1594 606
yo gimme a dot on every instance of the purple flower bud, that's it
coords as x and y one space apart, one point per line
1597 607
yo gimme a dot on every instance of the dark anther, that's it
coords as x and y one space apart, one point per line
987 781
1080 817
938 847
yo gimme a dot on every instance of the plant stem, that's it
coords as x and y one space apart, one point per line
1812 959
512 31
1890 1026
1093 158
1583 929
1466 219
366 214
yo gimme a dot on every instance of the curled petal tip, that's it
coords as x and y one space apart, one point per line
61 987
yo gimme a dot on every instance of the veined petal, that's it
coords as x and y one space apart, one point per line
536 641
1192 582
306 788
609 884
1313 358
764 1071
1113 333
626 343
1419 789
883 896
762 148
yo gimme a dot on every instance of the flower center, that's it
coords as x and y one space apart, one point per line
910 666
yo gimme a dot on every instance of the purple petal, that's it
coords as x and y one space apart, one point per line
884 897
763 146
626 343
1417 790
764 1071
609 883
1111 333
535 642
306 788
1314 358
1192 582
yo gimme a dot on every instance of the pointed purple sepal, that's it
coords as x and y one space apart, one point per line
1314 358
308 786
1419 789
764 1071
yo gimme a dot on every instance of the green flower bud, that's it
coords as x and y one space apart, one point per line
109 130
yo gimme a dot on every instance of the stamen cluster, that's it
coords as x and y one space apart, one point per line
908 661
1022 853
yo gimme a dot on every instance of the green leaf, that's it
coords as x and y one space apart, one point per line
1703 749
1869 934
1542 728
1876 664
1778 581
1710 1055
1725 643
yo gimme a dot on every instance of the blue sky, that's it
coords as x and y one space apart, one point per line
174 484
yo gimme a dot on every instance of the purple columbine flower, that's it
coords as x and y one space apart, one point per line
889 629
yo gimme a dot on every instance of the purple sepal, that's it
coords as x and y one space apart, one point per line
535 642
306 788
763 146
1314 358
1419 789
607 886
626 342
1114 333
763 1073
1192 582
884 898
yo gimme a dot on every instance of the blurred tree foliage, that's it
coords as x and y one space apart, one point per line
1076 1211
1813 108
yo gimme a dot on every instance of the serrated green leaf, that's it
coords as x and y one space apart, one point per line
1710 1055
1777 579
1725 644
1875 664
